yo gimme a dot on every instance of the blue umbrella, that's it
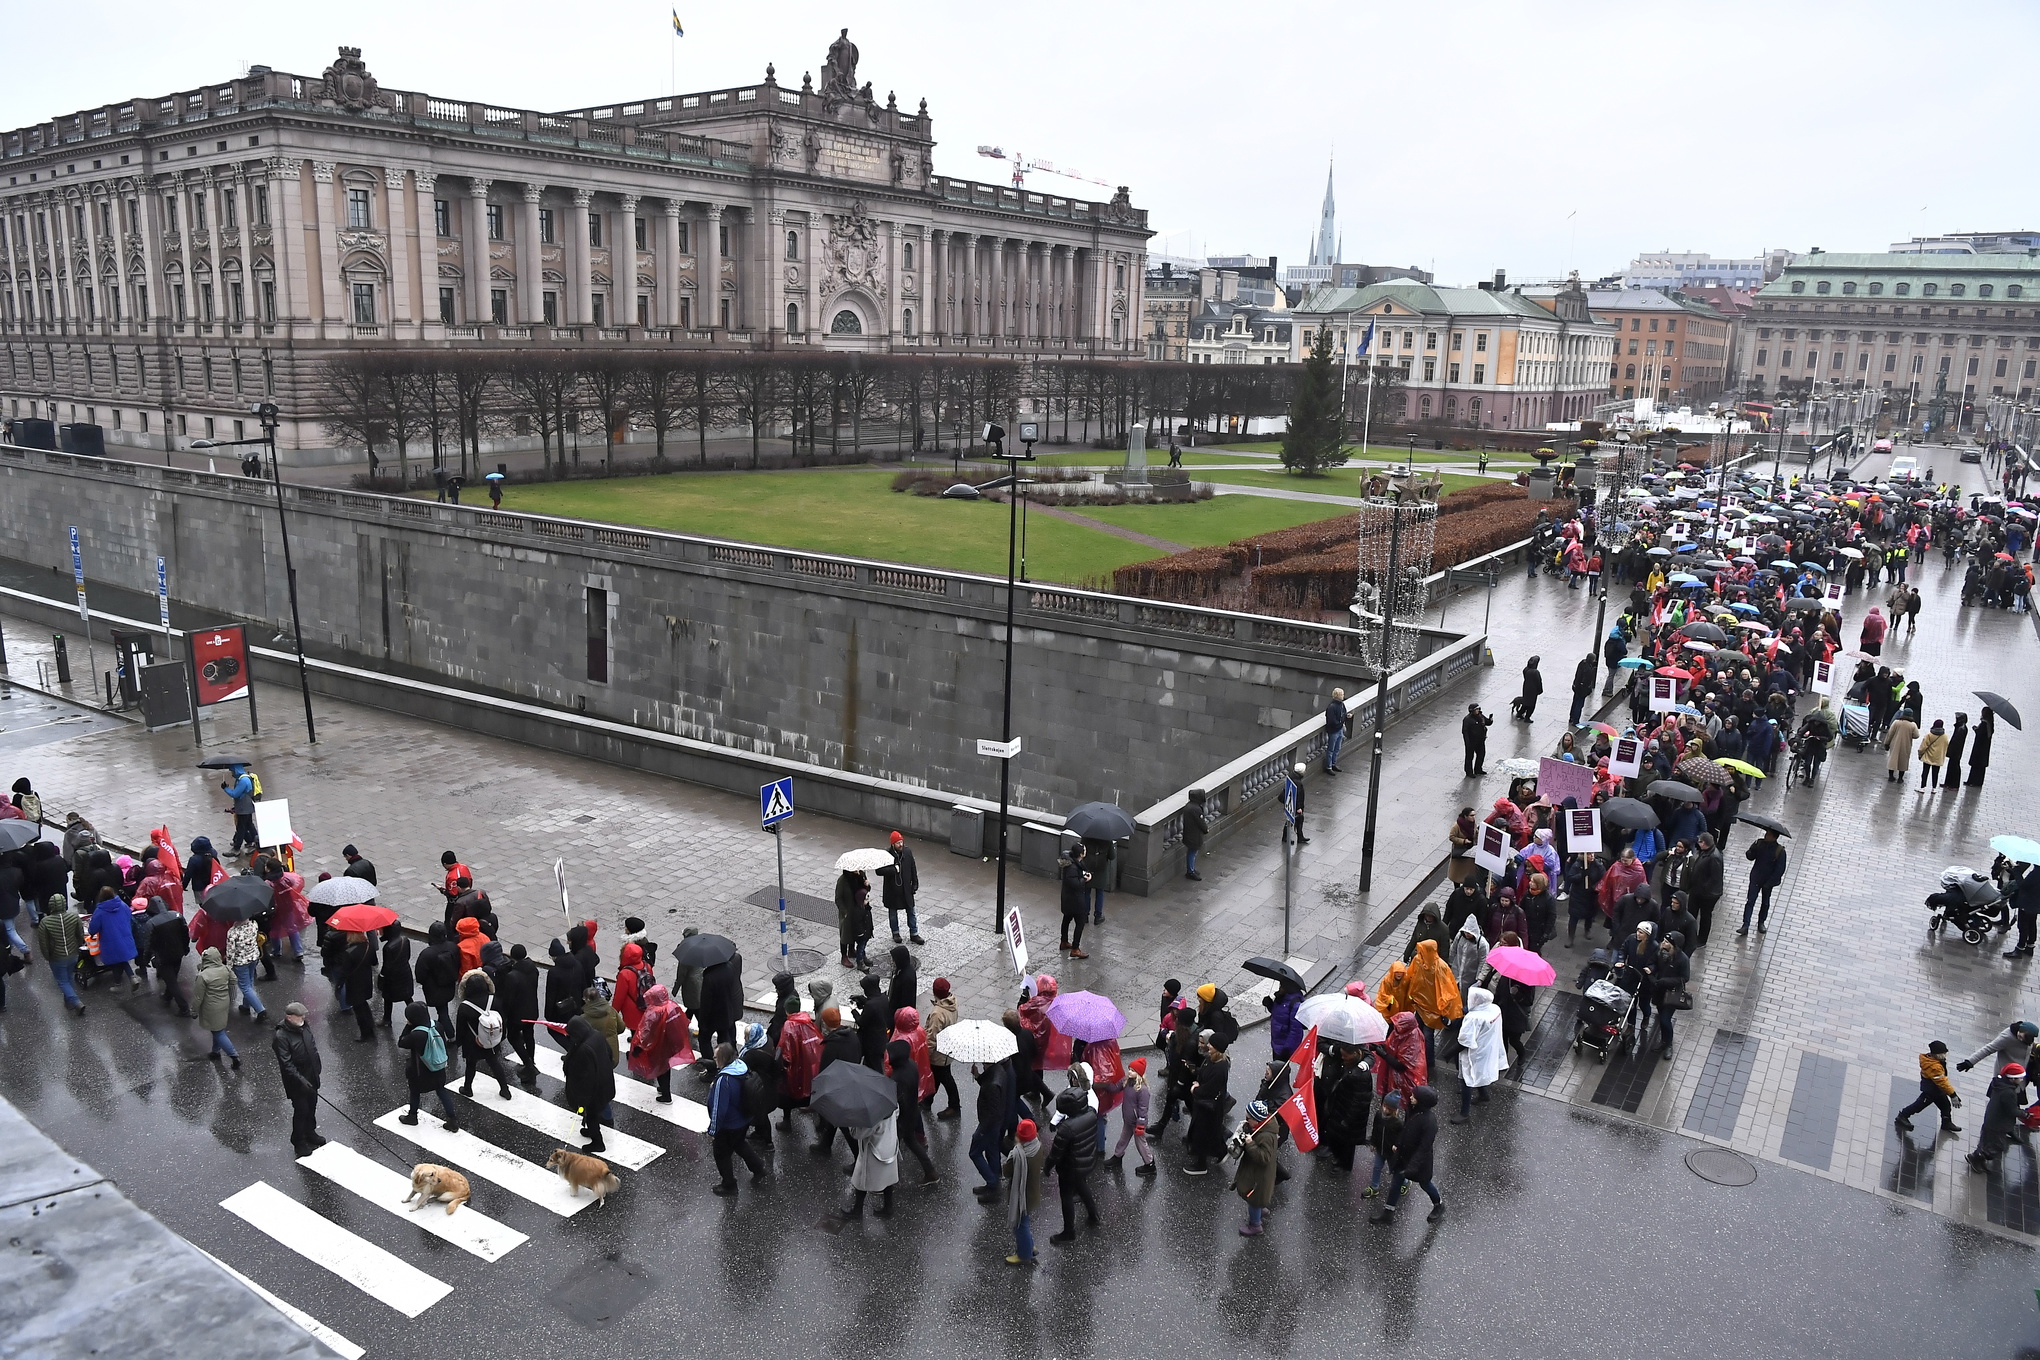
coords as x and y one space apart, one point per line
1636 663
1683 579
1814 566
1660 552
1686 708
1741 608
1687 547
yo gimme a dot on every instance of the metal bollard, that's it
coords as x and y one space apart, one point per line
63 658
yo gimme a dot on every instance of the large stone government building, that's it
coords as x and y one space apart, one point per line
168 261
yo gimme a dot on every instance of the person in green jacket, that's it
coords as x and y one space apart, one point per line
60 935
213 996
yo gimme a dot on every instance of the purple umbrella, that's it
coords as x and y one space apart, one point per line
1087 1016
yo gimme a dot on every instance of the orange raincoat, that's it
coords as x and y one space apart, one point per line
1390 991
1430 989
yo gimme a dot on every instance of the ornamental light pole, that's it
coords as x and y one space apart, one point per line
996 436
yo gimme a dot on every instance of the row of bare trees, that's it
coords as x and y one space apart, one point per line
446 403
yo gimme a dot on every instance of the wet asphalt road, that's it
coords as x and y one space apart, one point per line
1569 1233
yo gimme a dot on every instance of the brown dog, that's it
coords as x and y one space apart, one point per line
430 1182
584 1173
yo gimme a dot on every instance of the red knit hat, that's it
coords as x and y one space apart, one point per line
1026 1129
1139 1065
941 988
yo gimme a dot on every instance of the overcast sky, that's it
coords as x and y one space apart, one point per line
1469 137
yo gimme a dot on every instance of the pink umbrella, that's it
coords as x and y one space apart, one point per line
1520 965
1087 1016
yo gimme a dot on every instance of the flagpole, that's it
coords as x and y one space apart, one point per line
1367 421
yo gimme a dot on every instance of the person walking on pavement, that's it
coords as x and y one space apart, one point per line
239 786
242 954
113 925
1194 828
1583 679
425 1065
1980 740
1133 1116
1209 1102
902 1059
2026 900
1935 1090
169 943
1898 741
1933 754
2014 1043
1412 1160
297 1059
1473 730
1704 872
853 918
996 1105
1767 870
2000 1116
942 1013
357 867
214 998
1335 730
590 1071
438 973
1076 900
877 1168
1254 1181
59 937
477 1005
1387 1132
517 999
1022 1171
1071 1157
839 1044
728 1121
357 976
1533 685
902 882
1481 1057
661 1043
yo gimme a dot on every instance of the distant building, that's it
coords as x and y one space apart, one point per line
1673 349
1970 243
1172 297
1687 270
1232 324
1938 327
1487 357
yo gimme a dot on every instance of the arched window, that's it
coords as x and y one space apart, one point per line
1451 407
1629 371
793 318
1799 285
907 320
1424 408
1930 289
907 255
2014 290
1902 290
1821 287
846 323
1876 290
1955 290
793 245
1848 290
1984 290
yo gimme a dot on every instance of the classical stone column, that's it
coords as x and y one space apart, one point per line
668 295
530 272
579 262
332 298
708 274
934 303
476 254
969 287
425 225
396 235
775 289
623 284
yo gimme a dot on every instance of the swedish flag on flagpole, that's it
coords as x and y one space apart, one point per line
678 31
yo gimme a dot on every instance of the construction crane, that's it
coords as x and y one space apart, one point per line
1022 167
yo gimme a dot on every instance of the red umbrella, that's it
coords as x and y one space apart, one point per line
362 916
2005 557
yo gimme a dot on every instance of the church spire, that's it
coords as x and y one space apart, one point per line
1322 252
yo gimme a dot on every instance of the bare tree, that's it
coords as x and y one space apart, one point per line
606 378
354 392
756 384
541 382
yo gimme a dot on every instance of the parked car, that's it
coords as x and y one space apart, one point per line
1881 446
1972 454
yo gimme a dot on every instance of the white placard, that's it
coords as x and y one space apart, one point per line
1016 940
1582 830
1834 593
1824 678
272 822
1664 693
1625 759
1491 849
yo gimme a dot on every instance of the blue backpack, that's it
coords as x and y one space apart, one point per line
433 1055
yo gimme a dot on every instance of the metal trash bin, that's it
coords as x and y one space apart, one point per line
967 831
1040 848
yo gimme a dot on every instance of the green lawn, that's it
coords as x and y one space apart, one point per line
854 511
1109 458
1338 482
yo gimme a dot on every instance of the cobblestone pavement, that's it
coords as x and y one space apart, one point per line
1801 1045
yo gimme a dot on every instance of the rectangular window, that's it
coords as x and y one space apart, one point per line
1458 341
364 304
1972 368
722 231
639 225
357 209
141 302
687 317
499 306
1452 373
684 250
595 309
198 211
598 635
169 217
234 304
1479 373
1672 324
2029 368
907 255
260 204
726 314
550 302
644 310
205 311
442 218
1430 370
1431 340
1119 276
2001 365
594 229
268 303
1480 345
1890 363
493 216
545 225
230 214
446 307
1785 358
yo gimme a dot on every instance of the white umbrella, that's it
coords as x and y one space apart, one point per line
976 1041
862 860
1855 553
1340 1018
342 892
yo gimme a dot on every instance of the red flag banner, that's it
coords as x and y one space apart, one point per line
1300 1110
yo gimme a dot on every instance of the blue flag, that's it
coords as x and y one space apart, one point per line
1367 339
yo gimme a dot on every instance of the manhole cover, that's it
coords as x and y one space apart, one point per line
1721 1166
801 962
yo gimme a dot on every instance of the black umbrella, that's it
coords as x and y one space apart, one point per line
2000 706
852 1096
1807 602
1274 968
223 762
1100 822
1758 819
16 832
704 951
1628 812
239 898
1674 790
1704 632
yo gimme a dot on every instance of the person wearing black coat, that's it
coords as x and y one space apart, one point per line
517 998
1958 742
1194 829
722 1002
564 985
1514 999
874 1023
1980 738
905 987
417 1073
1669 973
1072 1157
169 942
438 973
43 875
1209 1102
395 977
839 1044
582 950
1213 1015
913 1132
1076 901
995 1114
297 1060
1347 1100
357 975
476 996
1473 730
1583 679
591 1080
902 880
1183 1056
1703 887
1533 685
1412 1159
1767 870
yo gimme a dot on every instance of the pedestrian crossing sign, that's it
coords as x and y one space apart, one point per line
775 801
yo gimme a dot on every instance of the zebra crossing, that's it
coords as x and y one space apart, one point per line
364 1173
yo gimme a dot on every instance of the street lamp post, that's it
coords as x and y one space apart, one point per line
996 437
266 412
1385 593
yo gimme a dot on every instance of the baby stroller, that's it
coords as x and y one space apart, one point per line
1855 726
1607 1018
1971 903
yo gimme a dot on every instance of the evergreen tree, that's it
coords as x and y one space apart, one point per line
1316 438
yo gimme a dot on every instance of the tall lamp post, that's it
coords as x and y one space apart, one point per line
996 436
266 412
1385 597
